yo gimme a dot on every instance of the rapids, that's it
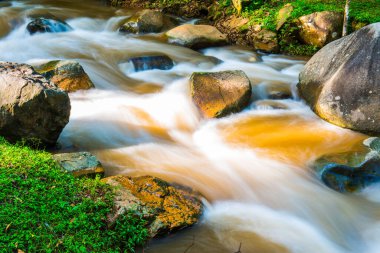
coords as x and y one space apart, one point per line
252 167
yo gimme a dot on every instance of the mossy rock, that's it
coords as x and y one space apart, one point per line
166 206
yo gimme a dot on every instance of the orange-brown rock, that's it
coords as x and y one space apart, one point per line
196 36
217 94
67 75
166 207
320 28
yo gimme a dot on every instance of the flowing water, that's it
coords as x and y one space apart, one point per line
252 167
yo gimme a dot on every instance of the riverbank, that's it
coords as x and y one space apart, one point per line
272 26
44 209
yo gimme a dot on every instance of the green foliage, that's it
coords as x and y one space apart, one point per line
43 209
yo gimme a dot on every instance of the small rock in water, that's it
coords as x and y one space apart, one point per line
218 94
43 25
67 75
143 63
80 164
196 36
350 171
146 21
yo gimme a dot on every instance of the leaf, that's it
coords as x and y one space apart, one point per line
237 5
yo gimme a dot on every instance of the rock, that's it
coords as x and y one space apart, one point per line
142 63
67 75
146 21
218 94
196 36
31 107
235 28
166 207
320 28
351 171
263 40
43 25
80 164
283 14
341 82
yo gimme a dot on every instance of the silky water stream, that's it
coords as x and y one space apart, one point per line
252 167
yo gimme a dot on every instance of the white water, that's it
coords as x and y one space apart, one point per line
251 166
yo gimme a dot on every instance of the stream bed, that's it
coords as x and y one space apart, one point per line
253 167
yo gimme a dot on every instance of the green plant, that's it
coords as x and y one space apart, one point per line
43 209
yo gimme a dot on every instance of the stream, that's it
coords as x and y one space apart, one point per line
253 167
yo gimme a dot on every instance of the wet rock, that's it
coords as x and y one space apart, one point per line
143 63
283 15
146 21
217 94
263 39
196 36
80 164
67 75
31 107
341 82
351 171
320 28
167 207
42 25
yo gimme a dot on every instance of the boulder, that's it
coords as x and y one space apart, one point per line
67 75
218 94
320 28
351 171
263 39
146 21
80 164
196 36
31 107
143 63
42 25
341 82
165 206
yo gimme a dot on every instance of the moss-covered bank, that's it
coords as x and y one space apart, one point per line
264 14
43 209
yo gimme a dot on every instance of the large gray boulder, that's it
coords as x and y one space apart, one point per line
341 82
31 108
146 21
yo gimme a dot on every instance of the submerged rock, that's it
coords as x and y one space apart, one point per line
67 75
196 36
166 207
341 82
31 107
320 28
146 21
49 25
218 94
80 164
143 63
351 171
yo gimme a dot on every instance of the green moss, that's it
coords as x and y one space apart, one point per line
43 209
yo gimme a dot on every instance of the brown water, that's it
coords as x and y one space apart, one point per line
252 167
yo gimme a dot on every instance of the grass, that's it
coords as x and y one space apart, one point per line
264 13
43 209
